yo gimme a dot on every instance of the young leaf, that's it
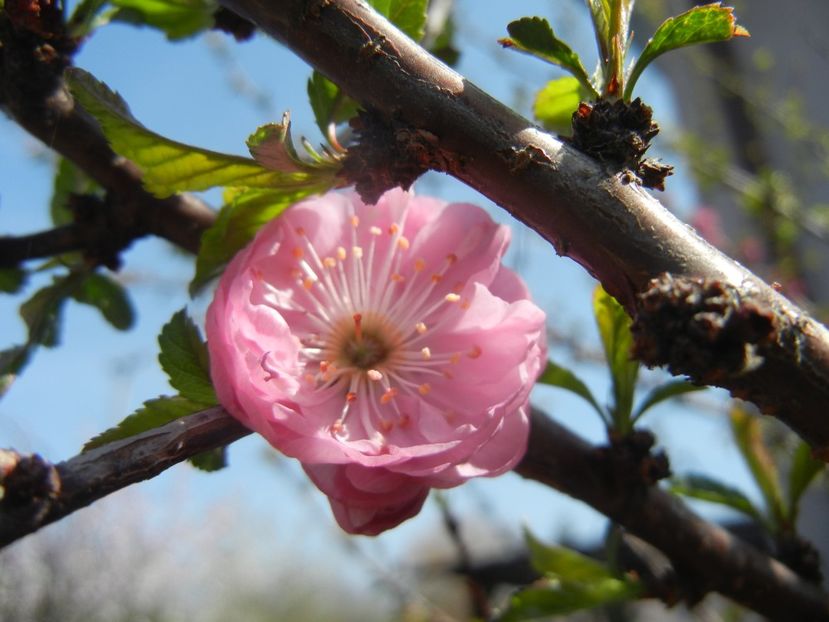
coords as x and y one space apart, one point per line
701 24
86 17
155 413
11 362
12 280
109 297
41 312
237 223
564 564
184 359
746 430
664 392
562 597
803 470
272 147
169 166
69 179
557 101
534 36
561 377
708 489
614 329
600 11
178 19
408 15
328 102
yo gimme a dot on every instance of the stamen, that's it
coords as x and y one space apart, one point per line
375 231
375 375
397 278
452 298
355 221
357 252
475 352
420 327
297 252
350 397
309 282
403 243
388 396
341 253
455 358
419 264
329 262
300 231
393 228
404 421
451 258
358 327
424 389
426 353
437 278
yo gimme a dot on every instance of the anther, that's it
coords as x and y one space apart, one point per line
452 297
341 253
375 231
309 282
426 353
424 389
357 252
437 278
393 228
297 252
300 231
375 375
420 327
350 397
451 258
397 278
419 265
329 262
355 221
388 395
403 243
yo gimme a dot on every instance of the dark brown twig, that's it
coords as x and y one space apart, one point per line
618 232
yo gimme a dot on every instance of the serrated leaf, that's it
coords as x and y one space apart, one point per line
109 297
272 147
701 24
558 376
804 469
328 102
600 12
69 179
185 360
534 36
153 414
211 460
12 280
562 598
408 15
237 223
563 563
178 19
614 328
170 166
663 392
555 104
747 434
708 489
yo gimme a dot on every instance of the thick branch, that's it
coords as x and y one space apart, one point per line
618 232
37 494
40 494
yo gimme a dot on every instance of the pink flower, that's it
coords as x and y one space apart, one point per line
384 346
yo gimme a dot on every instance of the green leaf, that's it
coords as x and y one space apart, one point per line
109 297
747 434
701 24
563 378
184 359
804 469
708 489
169 166
534 36
12 280
557 101
600 12
11 362
563 563
41 312
408 15
155 413
68 180
86 17
664 392
328 102
614 329
178 19
272 147
562 598
237 223
210 460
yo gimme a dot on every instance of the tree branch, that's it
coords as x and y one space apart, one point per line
618 232
36 494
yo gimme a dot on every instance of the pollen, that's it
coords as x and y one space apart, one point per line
452 297
424 389
388 396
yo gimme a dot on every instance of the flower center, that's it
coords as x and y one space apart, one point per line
365 349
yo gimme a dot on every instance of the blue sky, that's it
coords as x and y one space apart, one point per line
185 91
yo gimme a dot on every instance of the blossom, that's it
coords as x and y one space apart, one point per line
384 346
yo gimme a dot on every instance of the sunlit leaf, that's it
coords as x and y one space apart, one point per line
12 361
600 12
701 24
184 359
153 414
562 598
563 563
86 17
557 101
328 102
748 436
69 179
169 166
534 36
804 469
666 391
561 377
614 328
408 15
272 147
708 489
109 297
237 223
178 19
